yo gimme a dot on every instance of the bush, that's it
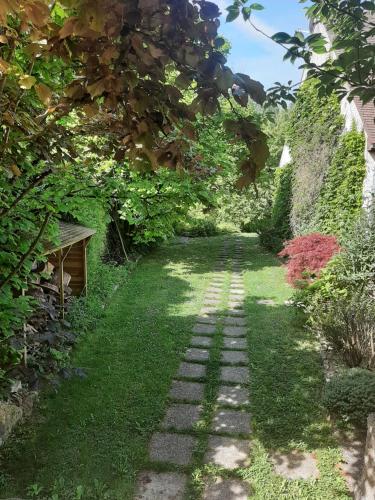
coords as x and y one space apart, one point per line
196 227
307 256
273 234
349 325
351 396
352 270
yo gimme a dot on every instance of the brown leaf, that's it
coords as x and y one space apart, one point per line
15 170
68 28
189 131
97 88
44 93
3 39
253 88
37 12
4 66
155 51
8 118
90 110
7 7
109 54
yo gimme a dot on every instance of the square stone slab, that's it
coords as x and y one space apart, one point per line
235 304
236 374
186 391
233 395
208 320
194 354
191 370
160 486
230 320
295 465
205 329
181 417
235 331
236 286
234 358
237 283
237 291
266 302
235 343
226 489
212 295
231 422
208 310
228 453
211 302
201 341
176 449
237 278
239 313
214 289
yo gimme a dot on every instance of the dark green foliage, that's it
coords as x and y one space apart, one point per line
340 200
351 396
195 227
278 230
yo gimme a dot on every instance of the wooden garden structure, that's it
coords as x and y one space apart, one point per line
69 257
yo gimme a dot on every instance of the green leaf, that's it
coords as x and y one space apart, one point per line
233 13
281 37
246 13
256 6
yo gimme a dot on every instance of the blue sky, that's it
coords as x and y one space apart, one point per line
254 54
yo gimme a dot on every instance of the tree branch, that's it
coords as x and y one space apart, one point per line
28 253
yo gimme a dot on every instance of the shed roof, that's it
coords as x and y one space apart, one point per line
68 235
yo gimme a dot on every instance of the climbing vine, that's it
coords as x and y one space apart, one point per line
315 127
340 201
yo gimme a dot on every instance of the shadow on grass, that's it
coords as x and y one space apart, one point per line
287 379
197 260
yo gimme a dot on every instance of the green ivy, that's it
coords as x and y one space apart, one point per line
314 130
340 200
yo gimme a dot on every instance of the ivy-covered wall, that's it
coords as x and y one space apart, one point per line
340 200
314 130
321 190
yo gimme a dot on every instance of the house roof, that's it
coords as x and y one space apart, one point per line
366 111
68 235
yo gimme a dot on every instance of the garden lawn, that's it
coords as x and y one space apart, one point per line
90 438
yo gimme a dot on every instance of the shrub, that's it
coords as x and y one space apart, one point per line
351 396
352 270
348 323
307 256
273 234
196 227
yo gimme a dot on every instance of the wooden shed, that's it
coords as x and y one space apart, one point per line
69 257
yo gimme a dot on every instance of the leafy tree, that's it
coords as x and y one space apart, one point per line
351 72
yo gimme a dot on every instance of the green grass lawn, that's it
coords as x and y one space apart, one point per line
90 438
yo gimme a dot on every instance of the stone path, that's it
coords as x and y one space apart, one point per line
220 331
207 420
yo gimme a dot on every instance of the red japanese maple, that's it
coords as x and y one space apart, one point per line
307 256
